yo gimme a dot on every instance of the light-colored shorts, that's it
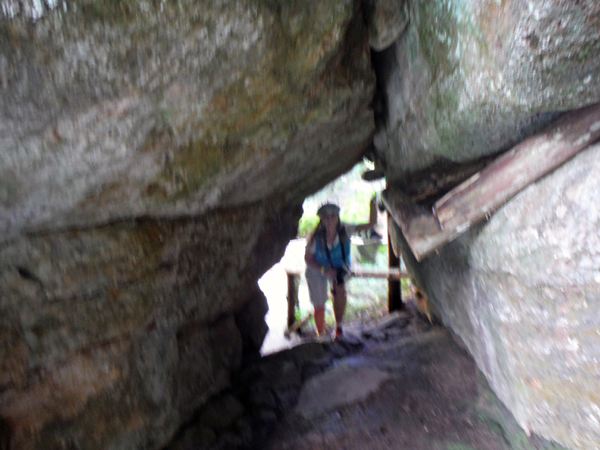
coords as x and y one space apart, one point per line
317 285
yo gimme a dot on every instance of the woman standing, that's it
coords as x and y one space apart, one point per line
327 259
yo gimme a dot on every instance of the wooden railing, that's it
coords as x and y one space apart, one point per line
293 274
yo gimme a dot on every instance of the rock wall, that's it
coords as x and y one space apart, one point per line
122 331
113 110
523 292
470 79
154 157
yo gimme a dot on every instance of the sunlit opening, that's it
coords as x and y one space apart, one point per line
367 297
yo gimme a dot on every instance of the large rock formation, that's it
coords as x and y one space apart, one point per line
113 110
523 292
470 79
154 156
153 160
122 331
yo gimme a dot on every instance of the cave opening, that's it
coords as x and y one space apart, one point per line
368 297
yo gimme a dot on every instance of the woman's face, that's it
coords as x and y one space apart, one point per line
330 221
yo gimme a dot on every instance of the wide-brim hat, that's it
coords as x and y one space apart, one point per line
328 209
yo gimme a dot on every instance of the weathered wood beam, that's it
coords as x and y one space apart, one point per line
440 178
293 281
292 297
483 193
392 273
418 224
533 158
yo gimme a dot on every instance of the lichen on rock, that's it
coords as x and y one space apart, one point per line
521 290
154 157
466 80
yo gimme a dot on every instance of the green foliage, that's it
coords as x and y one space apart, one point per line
349 191
356 209
406 287
307 224
367 299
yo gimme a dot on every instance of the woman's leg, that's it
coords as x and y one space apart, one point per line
339 306
320 319
317 290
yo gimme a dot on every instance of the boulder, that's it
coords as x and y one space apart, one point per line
522 290
153 161
115 110
472 78
468 80
250 321
131 317
387 20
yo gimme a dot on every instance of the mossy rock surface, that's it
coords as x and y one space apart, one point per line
469 79
128 109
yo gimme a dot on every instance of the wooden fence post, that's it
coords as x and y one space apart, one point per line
394 286
292 297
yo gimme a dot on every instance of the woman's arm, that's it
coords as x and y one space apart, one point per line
309 258
372 217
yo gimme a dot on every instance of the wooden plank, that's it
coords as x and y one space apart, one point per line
487 190
427 230
296 325
440 177
419 226
393 273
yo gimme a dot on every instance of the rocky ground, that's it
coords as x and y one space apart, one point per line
402 383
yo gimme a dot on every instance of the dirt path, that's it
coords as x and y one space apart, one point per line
401 383
409 387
